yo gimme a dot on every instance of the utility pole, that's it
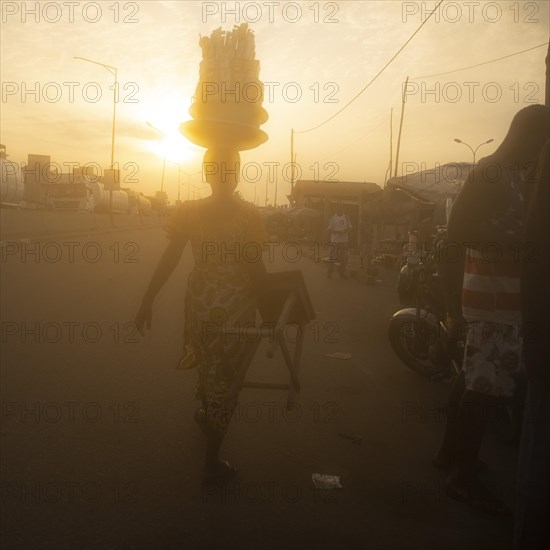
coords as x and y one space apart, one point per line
389 170
400 126
547 95
114 72
291 160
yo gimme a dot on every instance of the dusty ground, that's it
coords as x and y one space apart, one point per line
99 449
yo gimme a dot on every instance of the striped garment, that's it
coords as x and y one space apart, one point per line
491 290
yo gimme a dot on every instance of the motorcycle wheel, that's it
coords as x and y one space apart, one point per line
410 338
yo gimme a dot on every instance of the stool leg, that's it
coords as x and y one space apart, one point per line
298 347
241 373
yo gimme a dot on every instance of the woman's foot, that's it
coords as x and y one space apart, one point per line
219 471
478 496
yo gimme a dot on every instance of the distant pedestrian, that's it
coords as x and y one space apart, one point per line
339 227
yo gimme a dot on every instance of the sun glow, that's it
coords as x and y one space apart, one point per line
165 117
175 148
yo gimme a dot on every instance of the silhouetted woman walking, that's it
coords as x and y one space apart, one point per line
227 237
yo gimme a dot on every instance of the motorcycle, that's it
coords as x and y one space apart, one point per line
429 342
420 334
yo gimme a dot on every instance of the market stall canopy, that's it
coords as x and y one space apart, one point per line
301 213
332 190
433 185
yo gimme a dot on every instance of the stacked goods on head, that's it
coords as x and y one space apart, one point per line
228 70
227 105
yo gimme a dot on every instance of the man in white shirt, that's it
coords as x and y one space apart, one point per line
339 227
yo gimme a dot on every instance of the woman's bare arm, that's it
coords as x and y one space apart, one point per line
168 262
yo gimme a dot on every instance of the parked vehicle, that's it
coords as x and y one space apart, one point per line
429 342
143 206
12 188
69 197
388 254
419 333
102 199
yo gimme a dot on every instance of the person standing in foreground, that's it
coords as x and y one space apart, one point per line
339 227
533 504
486 221
222 290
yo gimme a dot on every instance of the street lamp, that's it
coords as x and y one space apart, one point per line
164 162
114 72
180 172
179 185
474 151
196 190
188 180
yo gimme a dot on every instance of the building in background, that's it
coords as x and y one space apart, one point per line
358 200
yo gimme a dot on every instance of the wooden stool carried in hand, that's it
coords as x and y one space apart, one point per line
285 301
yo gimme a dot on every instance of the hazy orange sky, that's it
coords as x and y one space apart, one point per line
328 52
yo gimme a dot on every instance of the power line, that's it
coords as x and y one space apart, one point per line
480 64
375 77
361 138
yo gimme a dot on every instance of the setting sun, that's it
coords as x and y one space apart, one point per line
175 148
165 117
